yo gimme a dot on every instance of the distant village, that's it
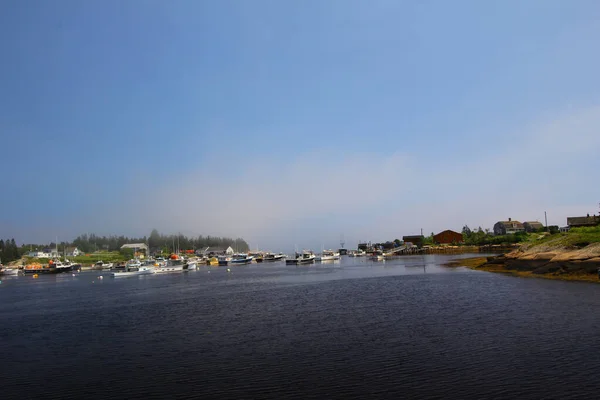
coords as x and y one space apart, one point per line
503 232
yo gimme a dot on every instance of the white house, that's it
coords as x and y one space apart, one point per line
73 252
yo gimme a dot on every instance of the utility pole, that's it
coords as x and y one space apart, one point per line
546 218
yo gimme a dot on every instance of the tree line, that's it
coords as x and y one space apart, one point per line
9 251
89 243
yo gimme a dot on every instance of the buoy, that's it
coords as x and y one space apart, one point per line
228 270
73 274
100 277
35 275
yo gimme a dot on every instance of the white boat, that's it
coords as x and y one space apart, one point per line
101 265
133 271
357 253
172 265
224 260
328 255
306 257
8 271
377 257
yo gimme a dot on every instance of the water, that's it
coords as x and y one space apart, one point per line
355 329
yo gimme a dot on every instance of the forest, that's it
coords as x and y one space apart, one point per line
157 242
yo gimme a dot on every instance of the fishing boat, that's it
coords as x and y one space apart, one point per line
101 265
191 264
224 260
306 257
240 259
131 270
328 255
270 257
257 256
174 264
53 267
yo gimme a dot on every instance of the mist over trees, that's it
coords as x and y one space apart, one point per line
156 242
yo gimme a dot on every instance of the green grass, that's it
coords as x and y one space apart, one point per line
95 257
576 237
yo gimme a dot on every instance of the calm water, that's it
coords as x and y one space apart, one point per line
403 329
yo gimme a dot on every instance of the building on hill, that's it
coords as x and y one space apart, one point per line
73 252
448 237
575 222
508 227
136 247
532 226
417 240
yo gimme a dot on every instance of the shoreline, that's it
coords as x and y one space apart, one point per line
497 265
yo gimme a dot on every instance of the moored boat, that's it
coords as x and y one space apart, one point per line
270 257
133 271
306 257
240 259
54 267
8 271
174 264
328 255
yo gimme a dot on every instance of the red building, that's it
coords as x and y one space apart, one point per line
448 237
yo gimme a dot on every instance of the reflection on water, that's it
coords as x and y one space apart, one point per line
356 328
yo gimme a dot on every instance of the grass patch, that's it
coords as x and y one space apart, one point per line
576 237
95 257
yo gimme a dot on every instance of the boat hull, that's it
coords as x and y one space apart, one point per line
164 270
125 274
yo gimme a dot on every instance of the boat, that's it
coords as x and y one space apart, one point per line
269 257
224 260
101 265
240 259
328 255
377 257
174 264
131 270
257 256
191 264
306 257
8 271
357 253
213 261
54 267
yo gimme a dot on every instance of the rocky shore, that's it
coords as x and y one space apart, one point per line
565 263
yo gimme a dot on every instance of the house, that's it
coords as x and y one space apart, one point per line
135 246
39 254
448 237
417 240
533 226
574 222
73 252
219 250
508 227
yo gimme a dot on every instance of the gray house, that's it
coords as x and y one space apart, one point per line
508 227
532 226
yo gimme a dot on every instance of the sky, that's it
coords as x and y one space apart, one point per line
295 123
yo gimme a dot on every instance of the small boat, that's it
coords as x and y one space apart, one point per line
8 271
101 265
240 259
269 257
328 255
132 271
357 253
306 257
377 257
213 261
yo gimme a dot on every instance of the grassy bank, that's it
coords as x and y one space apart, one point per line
481 264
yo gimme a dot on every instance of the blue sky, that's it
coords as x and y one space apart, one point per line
291 123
